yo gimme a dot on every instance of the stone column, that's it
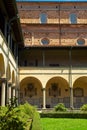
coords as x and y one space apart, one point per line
44 98
3 92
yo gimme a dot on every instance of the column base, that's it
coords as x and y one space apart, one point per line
44 108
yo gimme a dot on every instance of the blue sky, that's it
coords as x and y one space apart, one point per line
55 0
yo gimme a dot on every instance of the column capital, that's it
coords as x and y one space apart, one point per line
3 80
9 84
71 88
43 89
13 85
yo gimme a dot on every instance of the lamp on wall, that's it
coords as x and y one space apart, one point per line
13 18
10 21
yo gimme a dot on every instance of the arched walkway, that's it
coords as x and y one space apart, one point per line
80 91
31 91
57 91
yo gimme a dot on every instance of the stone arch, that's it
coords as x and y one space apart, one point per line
57 91
80 91
2 65
31 91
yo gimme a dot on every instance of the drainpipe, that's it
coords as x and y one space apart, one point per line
70 79
17 76
43 54
59 26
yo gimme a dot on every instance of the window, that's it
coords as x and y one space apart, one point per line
43 18
80 41
73 18
45 41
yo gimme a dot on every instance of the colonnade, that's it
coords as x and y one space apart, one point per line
44 98
7 93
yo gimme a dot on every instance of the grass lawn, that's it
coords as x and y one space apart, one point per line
63 124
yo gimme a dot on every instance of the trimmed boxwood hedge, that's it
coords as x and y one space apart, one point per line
22 117
64 115
36 124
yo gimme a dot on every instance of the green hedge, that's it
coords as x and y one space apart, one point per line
84 108
23 117
60 107
64 115
36 124
16 118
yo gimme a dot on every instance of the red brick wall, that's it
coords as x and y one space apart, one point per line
58 29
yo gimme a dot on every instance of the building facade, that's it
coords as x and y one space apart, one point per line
53 62
10 38
50 66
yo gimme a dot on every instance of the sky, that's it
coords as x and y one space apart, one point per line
55 0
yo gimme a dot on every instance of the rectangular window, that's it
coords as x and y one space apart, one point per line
73 18
43 18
